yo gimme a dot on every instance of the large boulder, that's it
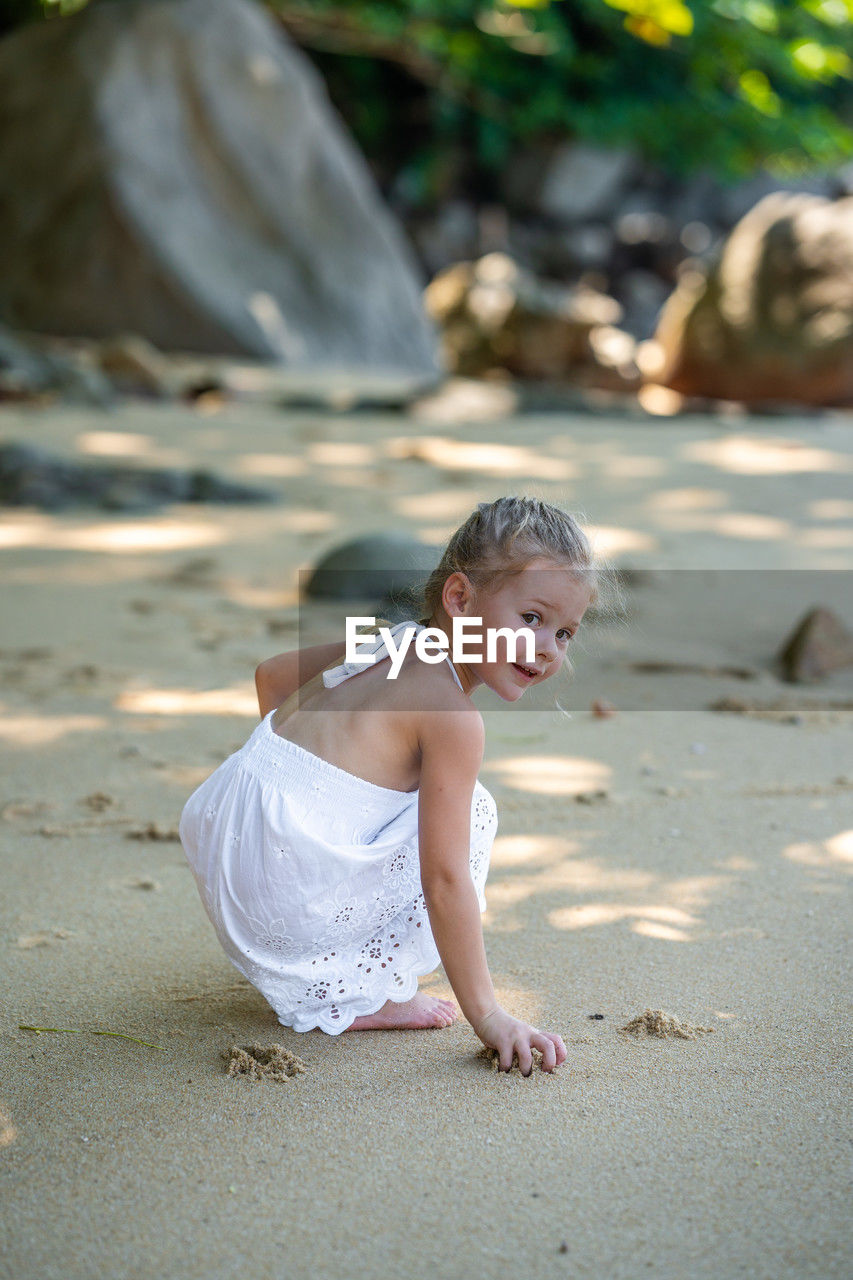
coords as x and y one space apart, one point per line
381 565
494 314
173 168
773 319
570 182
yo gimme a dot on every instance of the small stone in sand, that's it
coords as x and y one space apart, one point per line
263 1062
98 801
494 1059
591 797
654 1022
153 831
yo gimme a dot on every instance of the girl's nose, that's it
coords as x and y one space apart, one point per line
547 646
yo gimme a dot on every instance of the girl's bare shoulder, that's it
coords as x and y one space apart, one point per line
434 686
445 718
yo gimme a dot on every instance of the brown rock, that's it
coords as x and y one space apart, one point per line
773 319
819 644
496 315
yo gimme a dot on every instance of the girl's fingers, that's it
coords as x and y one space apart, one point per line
521 1047
525 1057
545 1045
559 1046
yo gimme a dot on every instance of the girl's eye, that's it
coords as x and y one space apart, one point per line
567 635
528 616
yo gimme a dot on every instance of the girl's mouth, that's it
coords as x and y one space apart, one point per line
527 672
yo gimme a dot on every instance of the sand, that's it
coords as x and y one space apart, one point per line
263 1062
666 856
666 1026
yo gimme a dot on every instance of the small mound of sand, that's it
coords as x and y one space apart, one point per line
494 1059
654 1022
263 1062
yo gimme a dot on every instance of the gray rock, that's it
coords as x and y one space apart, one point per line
31 477
697 199
27 372
636 225
561 252
642 294
573 182
194 186
818 645
22 370
584 182
452 233
387 567
590 245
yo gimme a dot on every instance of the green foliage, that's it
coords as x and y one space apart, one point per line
438 86
729 85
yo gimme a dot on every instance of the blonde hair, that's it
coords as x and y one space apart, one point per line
500 538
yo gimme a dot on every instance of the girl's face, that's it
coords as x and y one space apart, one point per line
546 598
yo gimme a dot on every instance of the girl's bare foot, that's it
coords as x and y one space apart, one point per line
417 1014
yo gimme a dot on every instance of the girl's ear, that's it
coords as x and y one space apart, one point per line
457 594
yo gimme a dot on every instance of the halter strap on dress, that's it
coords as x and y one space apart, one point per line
338 674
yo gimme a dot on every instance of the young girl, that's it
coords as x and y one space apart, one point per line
342 852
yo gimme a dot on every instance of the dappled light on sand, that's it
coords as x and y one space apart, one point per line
341 453
269 465
8 1131
40 731
240 700
763 456
487 458
563 874
451 505
551 775
542 873
821 539
836 851
749 525
688 499
513 851
114 444
670 924
609 541
117 539
122 538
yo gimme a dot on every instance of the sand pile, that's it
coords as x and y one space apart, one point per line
263 1062
654 1022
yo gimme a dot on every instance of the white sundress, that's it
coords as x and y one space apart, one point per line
311 876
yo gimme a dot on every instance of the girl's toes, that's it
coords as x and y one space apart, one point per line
442 1014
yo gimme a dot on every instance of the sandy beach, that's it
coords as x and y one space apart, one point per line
669 856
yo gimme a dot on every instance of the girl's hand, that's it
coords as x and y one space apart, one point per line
511 1037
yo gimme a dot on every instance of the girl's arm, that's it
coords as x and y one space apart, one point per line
278 678
451 755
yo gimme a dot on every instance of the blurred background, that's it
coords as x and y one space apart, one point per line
582 200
